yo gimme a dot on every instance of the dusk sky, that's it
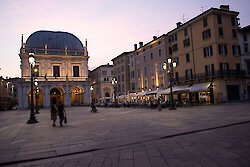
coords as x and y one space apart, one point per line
110 26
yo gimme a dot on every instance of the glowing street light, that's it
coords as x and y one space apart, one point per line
32 118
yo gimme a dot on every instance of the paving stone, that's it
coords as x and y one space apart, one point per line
130 137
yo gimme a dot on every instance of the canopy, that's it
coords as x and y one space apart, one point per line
200 87
184 88
164 92
154 92
142 93
181 88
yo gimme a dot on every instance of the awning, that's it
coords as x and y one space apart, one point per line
132 94
181 88
154 92
184 88
200 87
142 93
164 92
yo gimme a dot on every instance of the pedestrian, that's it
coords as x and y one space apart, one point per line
159 104
53 112
61 112
93 108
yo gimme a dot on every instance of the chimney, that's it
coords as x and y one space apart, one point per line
178 24
141 44
154 37
135 46
224 7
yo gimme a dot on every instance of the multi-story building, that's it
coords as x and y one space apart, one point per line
102 88
206 49
244 38
146 64
121 74
8 93
61 63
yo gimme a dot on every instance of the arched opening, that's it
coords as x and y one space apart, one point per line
56 94
76 96
37 97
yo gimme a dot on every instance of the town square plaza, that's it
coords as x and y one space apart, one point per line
197 136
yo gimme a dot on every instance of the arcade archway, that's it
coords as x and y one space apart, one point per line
76 96
58 94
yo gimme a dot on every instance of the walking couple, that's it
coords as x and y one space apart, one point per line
58 110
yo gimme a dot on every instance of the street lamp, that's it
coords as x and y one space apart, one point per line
37 93
91 89
170 65
32 118
114 82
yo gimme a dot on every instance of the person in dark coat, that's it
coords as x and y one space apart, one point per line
61 112
53 112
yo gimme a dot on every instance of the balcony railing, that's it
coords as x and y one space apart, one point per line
219 73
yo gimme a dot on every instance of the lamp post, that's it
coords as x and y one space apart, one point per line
32 118
170 65
37 93
91 89
114 82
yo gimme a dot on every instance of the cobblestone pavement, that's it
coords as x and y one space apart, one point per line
214 135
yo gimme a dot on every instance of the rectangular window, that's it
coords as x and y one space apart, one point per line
222 49
174 38
56 71
219 19
233 22
205 22
244 36
208 51
236 50
185 32
246 48
122 77
175 47
186 42
189 74
209 70
132 74
206 34
145 71
104 72
238 66
224 68
145 83
187 58
159 52
234 32
144 59
122 68
221 34
248 67
132 86
152 56
153 82
176 76
152 69
75 71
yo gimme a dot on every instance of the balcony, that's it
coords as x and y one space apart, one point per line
215 74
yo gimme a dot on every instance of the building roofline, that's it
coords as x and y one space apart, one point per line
202 14
245 29
104 65
122 55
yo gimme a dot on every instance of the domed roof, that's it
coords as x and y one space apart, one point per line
54 40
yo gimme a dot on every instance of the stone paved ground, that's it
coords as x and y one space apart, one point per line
216 135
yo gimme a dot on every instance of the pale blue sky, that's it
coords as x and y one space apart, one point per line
111 26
